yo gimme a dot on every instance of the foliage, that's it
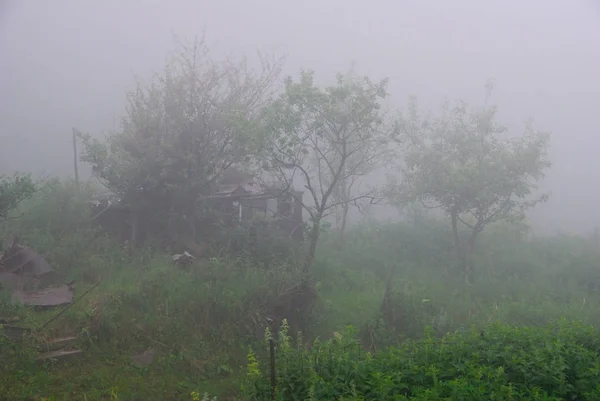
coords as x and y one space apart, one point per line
181 132
13 190
557 362
462 163
205 397
58 207
202 318
259 241
206 315
326 138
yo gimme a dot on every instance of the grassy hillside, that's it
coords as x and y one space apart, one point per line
392 283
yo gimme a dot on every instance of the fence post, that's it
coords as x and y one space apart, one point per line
75 158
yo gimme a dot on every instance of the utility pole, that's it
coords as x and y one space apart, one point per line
75 167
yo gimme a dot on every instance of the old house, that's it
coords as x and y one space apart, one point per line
239 198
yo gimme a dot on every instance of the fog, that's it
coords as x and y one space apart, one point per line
67 64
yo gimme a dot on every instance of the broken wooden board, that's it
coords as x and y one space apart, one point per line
58 344
51 296
62 355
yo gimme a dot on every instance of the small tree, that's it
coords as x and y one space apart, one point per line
182 132
462 163
325 138
363 159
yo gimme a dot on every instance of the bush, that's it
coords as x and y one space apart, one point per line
555 362
260 241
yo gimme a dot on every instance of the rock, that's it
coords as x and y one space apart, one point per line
51 296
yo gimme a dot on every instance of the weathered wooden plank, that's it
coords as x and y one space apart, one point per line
61 355
58 344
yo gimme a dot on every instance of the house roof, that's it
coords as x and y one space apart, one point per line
240 191
234 183
233 176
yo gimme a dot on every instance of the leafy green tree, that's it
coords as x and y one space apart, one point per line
324 138
464 163
181 132
13 190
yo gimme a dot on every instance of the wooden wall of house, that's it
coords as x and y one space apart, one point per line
288 212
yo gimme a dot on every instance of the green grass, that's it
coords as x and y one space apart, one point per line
202 320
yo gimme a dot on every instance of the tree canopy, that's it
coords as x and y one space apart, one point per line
464 163
183 130
324 138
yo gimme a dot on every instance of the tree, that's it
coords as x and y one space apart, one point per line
14 190
463 163
326 138
181 132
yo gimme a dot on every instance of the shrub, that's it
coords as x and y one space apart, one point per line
556 362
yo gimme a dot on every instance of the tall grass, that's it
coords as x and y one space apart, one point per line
390 282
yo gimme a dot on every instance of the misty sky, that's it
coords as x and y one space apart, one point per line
67 64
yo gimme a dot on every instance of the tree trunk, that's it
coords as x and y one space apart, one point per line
457 243
190 218
312 248
75 159
464 251
343 223
387 309
468 251
304 299
133 236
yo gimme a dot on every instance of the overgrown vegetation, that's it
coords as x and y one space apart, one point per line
558 362
202 319
515 318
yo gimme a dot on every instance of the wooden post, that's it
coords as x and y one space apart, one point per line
272 367
75 167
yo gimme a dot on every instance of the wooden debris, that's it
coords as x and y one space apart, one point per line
51 296
58 344
61 355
